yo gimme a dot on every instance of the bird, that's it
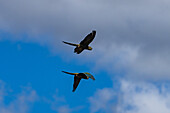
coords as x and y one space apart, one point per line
78 77
84 44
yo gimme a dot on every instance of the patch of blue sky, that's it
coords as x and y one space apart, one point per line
29 64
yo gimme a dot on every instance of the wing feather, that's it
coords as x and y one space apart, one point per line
88 39
92 77
76 82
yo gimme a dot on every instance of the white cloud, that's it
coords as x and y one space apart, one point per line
133 97
63 109
20 103
101 100
144 98
60 105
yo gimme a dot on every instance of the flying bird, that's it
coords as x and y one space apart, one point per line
84 44
78 77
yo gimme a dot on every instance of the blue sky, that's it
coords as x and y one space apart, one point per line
130 58
31 65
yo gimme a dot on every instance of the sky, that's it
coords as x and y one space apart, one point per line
130 58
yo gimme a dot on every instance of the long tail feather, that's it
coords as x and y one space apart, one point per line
69 73
70 43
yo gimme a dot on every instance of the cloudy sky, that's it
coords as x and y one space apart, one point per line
130 58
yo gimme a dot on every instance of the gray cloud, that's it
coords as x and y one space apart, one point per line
131 35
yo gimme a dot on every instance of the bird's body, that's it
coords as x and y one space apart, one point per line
84 44
78 77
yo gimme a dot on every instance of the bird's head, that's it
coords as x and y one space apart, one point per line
89 48
89 75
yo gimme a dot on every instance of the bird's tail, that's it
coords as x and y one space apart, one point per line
69 73
70 43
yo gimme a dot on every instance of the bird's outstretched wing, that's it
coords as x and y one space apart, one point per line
69 73
92 77
88 39
70 43
76 82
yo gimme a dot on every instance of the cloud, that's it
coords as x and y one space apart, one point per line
132 39
131 35
132 97
144 98
132 62
60 105
101 100
21 103
11 102
64 109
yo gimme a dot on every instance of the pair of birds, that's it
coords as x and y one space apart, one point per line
84 44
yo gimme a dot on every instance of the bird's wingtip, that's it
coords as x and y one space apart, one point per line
73 90
93 78
93 30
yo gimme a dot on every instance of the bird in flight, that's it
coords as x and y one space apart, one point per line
84 44
78 77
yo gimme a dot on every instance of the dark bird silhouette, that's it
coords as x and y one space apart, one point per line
84 44
78 77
